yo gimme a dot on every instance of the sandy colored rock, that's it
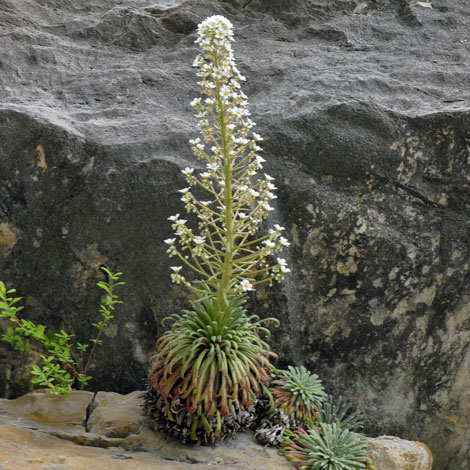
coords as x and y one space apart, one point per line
115 435
119 436
22 449
49 409
7 238
115 415
393 453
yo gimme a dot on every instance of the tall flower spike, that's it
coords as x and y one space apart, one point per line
228 255
212 365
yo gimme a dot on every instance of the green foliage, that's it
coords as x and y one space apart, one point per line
339 412
298 392
210 358
328 448
59 371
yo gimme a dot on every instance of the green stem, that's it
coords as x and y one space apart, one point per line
222 295
98 336
100 331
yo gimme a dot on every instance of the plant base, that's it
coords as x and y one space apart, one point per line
176 421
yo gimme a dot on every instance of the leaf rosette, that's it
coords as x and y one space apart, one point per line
210 359
299 393
328 447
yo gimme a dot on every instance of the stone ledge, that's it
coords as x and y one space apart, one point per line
40 431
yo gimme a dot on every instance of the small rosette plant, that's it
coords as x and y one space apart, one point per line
339 412
212 364
298 396
299 393
328 447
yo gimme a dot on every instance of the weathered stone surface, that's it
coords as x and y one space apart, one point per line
364 106
392 453
39 431
49 409
114 434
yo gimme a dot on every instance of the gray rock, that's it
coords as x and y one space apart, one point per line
364 106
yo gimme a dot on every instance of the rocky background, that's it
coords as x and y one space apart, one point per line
365 110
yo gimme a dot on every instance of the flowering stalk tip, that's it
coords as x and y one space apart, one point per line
228 255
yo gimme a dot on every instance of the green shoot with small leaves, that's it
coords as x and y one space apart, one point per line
59 371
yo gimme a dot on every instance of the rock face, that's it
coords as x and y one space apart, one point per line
109 431
364 106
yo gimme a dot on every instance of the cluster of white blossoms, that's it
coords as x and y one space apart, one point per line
227 254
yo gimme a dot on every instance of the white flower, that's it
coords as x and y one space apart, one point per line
237 113
269 244
283 265
176 269
187 171
184 191
218 23
246 285
199 240
225 92
169 241
195 101
257 137
283 241
198 61
195 141
278 228
174 218
268 178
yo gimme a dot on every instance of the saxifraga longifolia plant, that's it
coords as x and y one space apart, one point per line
339 412
212 364
298 395
328 447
